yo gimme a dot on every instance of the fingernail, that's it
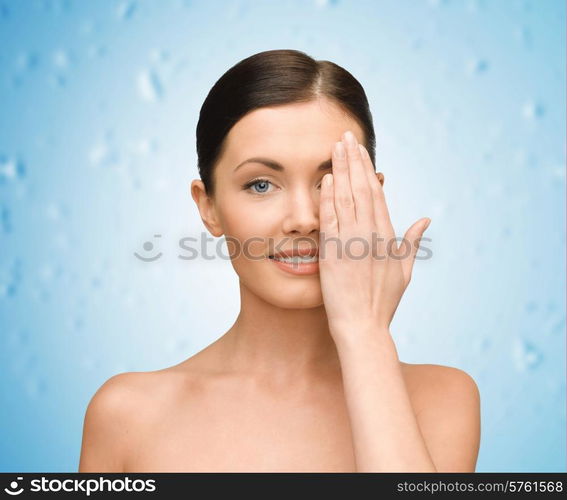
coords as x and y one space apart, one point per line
349 138
427 224
340 149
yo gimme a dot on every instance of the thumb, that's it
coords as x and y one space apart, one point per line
410 244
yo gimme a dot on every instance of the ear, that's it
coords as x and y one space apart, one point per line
380 176
206 208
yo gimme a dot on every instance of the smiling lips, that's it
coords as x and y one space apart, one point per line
296 252
297 261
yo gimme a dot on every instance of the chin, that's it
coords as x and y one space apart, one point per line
292 294
294 301
279 289
288 294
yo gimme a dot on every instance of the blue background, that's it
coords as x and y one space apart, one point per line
98 107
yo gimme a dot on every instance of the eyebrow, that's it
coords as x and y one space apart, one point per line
274 165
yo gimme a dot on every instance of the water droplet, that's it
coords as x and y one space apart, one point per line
135 183
57 6
416 43
10 279
158 56
61 59
23 336
485 344
557 173
99 154
46 272
104 153
472 6
86 27
35 386
326 3
77 323
97 51
4 11
531 306
477 66
532 110
56 211
526 159
126 10
61 241
437 3
524 35
505 231
58 80
143 147
525 354
558 327
551 306
6 219
149 86
482 344
27 61
11 169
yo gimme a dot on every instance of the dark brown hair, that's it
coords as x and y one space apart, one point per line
271 78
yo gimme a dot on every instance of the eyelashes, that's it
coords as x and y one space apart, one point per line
253 182
259 180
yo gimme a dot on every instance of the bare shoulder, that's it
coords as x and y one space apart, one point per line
446 401
429 380
115 410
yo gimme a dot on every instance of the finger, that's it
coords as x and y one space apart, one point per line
381 213
361 193
327 215
410 245
344 204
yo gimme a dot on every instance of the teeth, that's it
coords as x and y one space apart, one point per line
298 259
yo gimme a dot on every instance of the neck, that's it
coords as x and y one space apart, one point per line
279 344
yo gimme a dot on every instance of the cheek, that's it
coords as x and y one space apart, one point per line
247 238
250 222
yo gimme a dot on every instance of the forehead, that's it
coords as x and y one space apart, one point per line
290 131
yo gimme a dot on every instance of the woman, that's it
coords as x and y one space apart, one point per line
308 377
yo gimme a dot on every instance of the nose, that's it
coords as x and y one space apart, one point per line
302 214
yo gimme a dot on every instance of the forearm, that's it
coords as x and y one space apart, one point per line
386 435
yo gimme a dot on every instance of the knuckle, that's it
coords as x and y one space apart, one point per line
328 218
345 200
361 191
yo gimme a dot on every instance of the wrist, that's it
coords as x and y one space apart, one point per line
356 336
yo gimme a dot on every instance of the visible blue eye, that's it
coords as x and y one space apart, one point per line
263 183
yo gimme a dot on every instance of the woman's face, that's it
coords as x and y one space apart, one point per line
261 210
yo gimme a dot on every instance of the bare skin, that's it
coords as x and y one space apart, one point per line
197 417
193 417
269 394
